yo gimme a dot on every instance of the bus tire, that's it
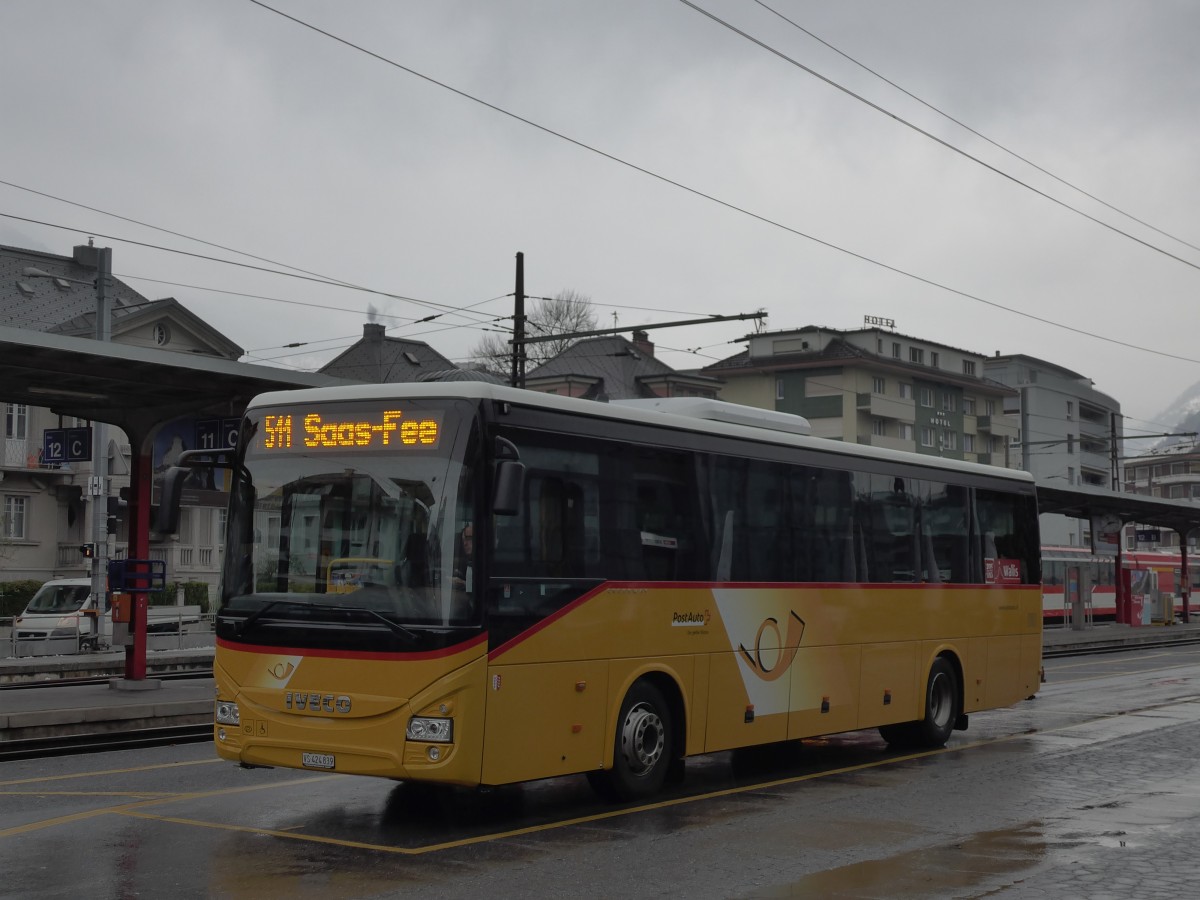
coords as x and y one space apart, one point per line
941 712
643 751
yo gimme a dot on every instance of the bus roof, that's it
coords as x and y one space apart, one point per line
650 414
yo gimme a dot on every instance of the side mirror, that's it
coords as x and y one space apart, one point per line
510 487
166 514
510 479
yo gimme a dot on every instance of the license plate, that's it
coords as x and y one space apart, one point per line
318 760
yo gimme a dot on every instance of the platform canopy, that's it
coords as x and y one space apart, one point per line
134 388
1086 503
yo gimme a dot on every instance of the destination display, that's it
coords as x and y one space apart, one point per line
338 428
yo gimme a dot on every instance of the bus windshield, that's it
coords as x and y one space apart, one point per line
351 515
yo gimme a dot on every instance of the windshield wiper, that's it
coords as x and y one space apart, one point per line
394 627
240 628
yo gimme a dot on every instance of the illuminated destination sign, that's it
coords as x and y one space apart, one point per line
338 429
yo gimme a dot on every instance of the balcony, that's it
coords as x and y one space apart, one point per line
23 454
882 407
997 425
188 563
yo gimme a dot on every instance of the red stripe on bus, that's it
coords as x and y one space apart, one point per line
740 585
356 654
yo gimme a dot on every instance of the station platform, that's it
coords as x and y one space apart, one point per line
37 700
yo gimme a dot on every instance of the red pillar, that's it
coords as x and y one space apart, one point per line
1184 582
141 471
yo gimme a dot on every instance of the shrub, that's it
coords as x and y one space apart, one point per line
15 596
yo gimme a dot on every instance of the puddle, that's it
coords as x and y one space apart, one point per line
945 871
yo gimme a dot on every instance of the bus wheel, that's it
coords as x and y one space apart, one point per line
941 712
643 753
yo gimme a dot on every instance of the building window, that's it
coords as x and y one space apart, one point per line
778 388
1070 409
877 427
969 443
933 358
989 407
1070 474
968 367
906 431
948 403
997 443
13 524
949 440
905 391
916 354
1070 443
968 406
927 437
879 346
927 397
895 350
878 385
16 421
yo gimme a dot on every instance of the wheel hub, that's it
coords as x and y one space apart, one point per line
642 739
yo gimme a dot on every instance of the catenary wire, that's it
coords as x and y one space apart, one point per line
712 198
921 131
973 131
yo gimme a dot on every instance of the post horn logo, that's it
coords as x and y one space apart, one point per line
770 671
281 670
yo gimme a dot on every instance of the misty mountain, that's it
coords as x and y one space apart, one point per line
1183 415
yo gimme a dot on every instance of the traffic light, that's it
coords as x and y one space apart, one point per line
88 550
117 507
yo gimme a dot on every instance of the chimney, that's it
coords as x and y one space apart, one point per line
373 333
86 256
642 341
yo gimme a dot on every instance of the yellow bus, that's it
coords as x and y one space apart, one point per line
544 586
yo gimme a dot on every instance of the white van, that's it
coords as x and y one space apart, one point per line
57 619
63 617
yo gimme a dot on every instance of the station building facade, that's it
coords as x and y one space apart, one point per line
46 513
877 387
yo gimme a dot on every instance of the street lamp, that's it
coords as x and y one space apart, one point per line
98 485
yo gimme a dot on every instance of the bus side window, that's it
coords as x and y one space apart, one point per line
832 537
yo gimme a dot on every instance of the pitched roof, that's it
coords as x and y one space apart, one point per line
619 368
66 303
836 352
45 304
378 359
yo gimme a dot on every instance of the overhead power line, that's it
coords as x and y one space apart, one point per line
706 196
973 131
921 131
229 262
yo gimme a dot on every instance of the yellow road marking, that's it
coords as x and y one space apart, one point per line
137 810
174 765
149 795
130 807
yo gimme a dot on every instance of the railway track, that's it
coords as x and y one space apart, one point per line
72 745
101 679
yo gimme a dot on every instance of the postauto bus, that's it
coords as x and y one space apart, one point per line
471 584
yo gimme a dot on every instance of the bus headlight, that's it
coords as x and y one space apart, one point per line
428 728
228 713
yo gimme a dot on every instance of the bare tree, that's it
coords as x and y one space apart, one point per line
565 313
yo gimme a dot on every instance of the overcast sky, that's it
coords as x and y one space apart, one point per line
226 122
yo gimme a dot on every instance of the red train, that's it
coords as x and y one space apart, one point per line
1150 579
